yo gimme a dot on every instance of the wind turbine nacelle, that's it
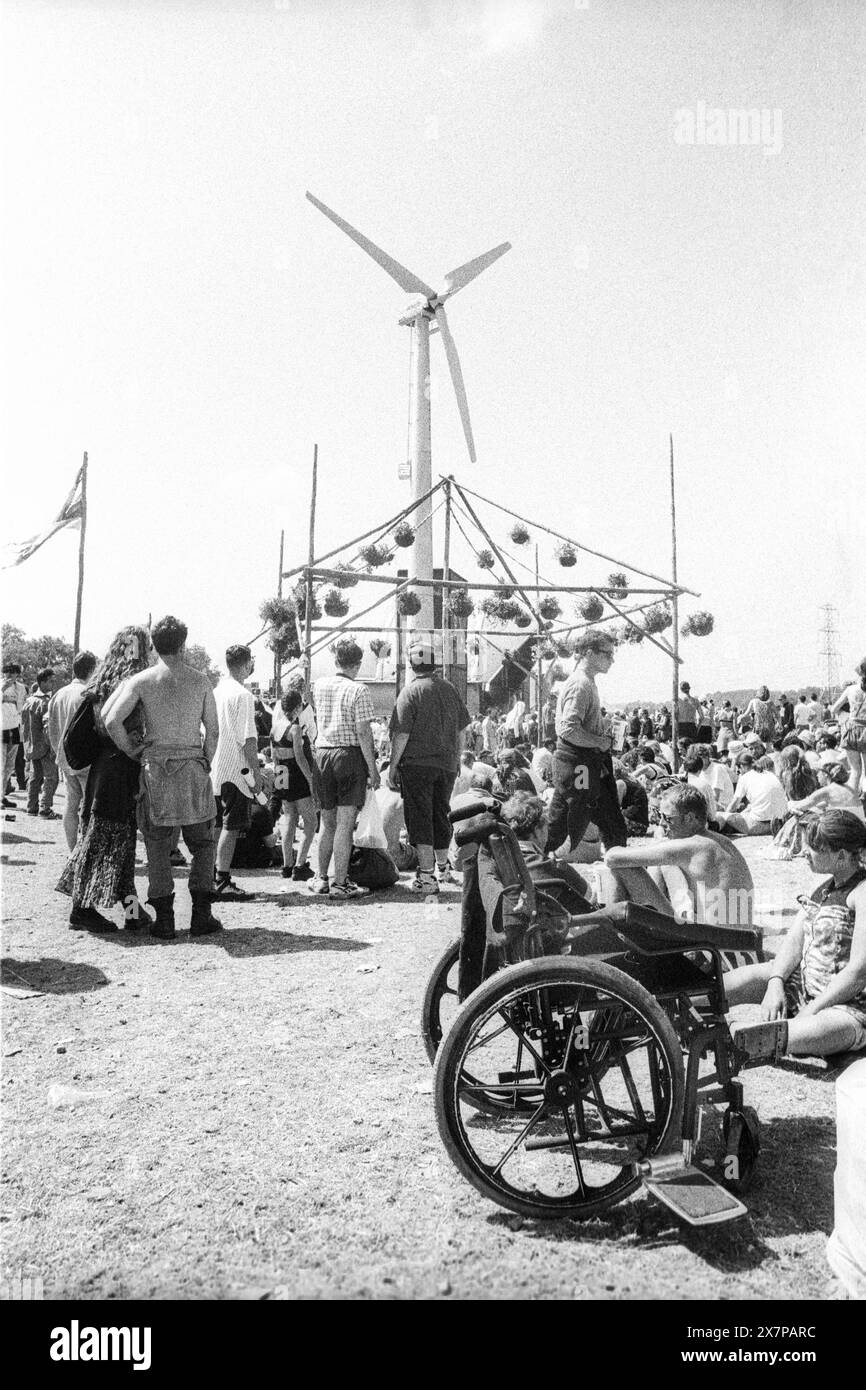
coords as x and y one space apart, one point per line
419 305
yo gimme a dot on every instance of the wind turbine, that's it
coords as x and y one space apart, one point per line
424 315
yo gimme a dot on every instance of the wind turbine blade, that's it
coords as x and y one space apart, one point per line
405 279
456 279
456 377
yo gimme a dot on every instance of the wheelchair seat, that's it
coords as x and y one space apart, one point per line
649 930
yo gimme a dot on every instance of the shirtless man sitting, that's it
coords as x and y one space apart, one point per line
178 703
692 874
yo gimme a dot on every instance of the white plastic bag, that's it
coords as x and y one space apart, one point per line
369 833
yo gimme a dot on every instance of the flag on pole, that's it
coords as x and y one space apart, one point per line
69 515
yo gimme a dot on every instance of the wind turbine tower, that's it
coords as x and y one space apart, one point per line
424 315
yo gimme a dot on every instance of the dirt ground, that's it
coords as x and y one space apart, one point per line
263 1127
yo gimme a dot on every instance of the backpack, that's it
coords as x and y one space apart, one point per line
372 868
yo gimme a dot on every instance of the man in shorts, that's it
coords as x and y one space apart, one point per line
235 773
347 765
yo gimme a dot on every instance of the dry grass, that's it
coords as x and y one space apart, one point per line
265 1127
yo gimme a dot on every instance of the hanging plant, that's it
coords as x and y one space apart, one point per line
404 534
519 533
548 607
548 651
277 611
283 641
380 648
486 559
698 624
375 554
348 578
566 554
590 607
505 592
523 619
618 585
490 605
408 603
658 617
627 635
335 603
460 605
300 595
563 649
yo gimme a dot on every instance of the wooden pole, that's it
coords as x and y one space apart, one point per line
278 665
444 591
308 575
539 674
675 709
379 530
77 637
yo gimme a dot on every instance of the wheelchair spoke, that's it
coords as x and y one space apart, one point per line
521 1037
632 1089
530 1125
575 1156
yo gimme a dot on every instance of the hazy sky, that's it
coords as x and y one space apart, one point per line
173 305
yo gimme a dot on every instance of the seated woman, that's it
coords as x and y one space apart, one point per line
833 793
526 814
813 995
633 800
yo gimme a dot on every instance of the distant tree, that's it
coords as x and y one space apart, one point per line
197 656
36 653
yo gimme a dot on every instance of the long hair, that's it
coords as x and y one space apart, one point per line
127 655
796 776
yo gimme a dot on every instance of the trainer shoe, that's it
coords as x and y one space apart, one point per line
424 883
320 887
225 890
447 875
302 872
348 889
49 815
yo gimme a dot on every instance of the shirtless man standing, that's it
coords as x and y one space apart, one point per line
177 702
693 874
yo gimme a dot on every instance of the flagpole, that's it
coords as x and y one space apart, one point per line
75 640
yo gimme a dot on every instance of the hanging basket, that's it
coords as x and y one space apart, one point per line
283 641
277 611
566 554
335 604
658 618
486 559
563 649
548 607
519 533
375 555
523 619
590 608
380 648
628 636
348 578
408 603
460 605
404 534
300 594
547 651
618 585
698 624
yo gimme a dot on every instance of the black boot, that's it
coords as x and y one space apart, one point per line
163 927
88 919
203 922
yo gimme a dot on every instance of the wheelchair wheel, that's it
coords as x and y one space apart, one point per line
742 1132
593 1063
441 1000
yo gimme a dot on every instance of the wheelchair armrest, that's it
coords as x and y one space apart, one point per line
486 804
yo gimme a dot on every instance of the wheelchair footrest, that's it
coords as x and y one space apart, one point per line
690 1192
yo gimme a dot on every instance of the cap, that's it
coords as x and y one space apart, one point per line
421 652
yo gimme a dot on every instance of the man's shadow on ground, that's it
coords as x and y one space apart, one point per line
241 942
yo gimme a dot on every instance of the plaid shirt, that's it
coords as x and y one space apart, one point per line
341 705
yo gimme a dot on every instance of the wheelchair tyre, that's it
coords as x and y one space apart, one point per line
441 999
742 1133
561 1027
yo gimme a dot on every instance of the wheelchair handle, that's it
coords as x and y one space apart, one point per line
487 804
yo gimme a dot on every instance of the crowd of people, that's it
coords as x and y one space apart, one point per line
149 751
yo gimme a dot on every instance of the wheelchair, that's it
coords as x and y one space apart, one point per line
578 1070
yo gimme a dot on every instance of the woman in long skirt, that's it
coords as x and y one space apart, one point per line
101 868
